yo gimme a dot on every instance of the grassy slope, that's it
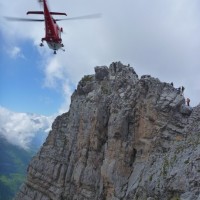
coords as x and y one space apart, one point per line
13 165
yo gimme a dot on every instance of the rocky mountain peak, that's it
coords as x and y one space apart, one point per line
124 137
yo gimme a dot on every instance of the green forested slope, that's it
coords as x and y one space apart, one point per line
13 165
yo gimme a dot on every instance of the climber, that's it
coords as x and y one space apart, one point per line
179 90
188 102
182 90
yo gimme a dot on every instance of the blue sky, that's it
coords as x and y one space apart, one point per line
21 82
161 38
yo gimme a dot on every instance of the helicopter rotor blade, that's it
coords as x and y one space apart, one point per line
23 19
93 16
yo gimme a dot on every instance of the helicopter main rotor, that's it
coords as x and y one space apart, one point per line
92 16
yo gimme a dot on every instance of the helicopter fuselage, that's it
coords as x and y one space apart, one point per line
52 30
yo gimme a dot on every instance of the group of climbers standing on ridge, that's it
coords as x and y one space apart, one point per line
181 91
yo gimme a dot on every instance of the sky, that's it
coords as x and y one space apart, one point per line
160 38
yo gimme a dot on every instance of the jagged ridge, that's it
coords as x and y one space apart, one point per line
123 138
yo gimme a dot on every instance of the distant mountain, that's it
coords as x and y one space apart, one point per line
37 141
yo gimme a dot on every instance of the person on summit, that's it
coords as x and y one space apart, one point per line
179 90
182 90
188 102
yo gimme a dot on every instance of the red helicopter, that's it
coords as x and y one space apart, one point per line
53 31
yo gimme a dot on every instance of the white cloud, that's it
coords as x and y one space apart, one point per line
15 52
67 92
20 128
53 72
56 77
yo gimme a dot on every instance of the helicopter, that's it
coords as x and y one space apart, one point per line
52 30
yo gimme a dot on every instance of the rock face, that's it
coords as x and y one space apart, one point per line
124 138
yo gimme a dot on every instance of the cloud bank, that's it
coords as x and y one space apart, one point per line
20 128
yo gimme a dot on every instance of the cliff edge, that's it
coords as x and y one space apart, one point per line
124 138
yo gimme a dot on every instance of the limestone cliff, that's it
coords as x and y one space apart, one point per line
124 138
